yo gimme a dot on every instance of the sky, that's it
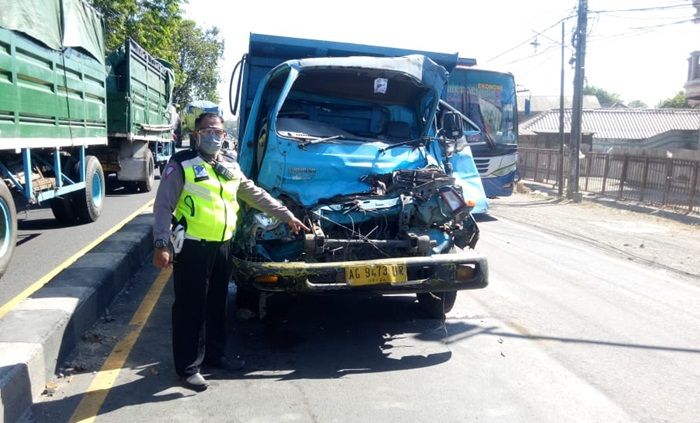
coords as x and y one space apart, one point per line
639 55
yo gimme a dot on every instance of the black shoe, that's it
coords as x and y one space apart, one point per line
195 382
225 363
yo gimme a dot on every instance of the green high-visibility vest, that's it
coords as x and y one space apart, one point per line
207 203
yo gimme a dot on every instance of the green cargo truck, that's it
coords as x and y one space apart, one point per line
53 108
139 116
60 99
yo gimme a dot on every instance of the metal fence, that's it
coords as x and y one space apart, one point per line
663 182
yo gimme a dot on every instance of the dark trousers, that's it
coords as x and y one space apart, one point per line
201 274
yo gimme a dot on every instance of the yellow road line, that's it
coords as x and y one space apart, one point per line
47 277
104 379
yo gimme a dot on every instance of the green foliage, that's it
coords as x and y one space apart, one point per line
638 104
679 101
197 59
158 26
119 19
605 98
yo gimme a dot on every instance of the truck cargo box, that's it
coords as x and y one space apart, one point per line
52 75
139 92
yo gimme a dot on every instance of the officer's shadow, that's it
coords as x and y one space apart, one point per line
149 385
322 337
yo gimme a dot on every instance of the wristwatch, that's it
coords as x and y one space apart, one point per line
160 244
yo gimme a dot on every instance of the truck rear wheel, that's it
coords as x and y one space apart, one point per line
147 185
437 304
62 209
8 227
88 203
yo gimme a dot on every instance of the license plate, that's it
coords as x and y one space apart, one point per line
375 274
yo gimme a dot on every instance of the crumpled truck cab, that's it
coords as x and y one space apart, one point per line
350 145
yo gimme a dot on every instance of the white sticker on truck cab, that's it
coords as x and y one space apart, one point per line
380 85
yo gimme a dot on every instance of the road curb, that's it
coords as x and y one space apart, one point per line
38 334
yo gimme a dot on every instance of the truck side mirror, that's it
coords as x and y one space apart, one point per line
452 126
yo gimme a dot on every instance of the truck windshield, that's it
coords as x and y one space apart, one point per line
488 99
353 105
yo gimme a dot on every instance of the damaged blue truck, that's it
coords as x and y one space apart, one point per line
351 139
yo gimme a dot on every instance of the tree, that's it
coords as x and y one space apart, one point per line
119 20
151 23
197 61
638 104
158 26
679 101
605 98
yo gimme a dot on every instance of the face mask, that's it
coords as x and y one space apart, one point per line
210 144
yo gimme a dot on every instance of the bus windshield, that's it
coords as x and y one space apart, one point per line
487 98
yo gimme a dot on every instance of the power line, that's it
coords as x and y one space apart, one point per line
640 30
665 24
531 56
642 18
637 31
644 9
530 38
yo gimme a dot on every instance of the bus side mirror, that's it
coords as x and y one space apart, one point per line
452 126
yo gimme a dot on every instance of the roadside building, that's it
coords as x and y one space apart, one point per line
529 107
606 129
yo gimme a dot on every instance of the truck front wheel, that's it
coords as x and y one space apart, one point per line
8 227
437 304
89 202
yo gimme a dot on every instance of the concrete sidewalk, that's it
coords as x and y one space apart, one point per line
660 238
43 329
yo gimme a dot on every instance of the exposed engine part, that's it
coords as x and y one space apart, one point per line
466 233
316 244
421 212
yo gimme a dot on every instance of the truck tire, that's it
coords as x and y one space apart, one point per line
8 227
437 304
248 298
62 208
88 203
147 185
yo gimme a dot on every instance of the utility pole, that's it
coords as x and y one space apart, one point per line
572 191
560 163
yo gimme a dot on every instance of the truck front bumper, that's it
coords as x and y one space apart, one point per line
437 273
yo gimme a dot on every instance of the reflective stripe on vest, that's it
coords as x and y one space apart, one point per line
207 203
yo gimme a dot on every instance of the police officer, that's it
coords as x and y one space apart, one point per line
199 189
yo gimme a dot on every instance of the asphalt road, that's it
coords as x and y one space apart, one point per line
43 243
569 329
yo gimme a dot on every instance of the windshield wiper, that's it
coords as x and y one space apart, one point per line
409 142
306 142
